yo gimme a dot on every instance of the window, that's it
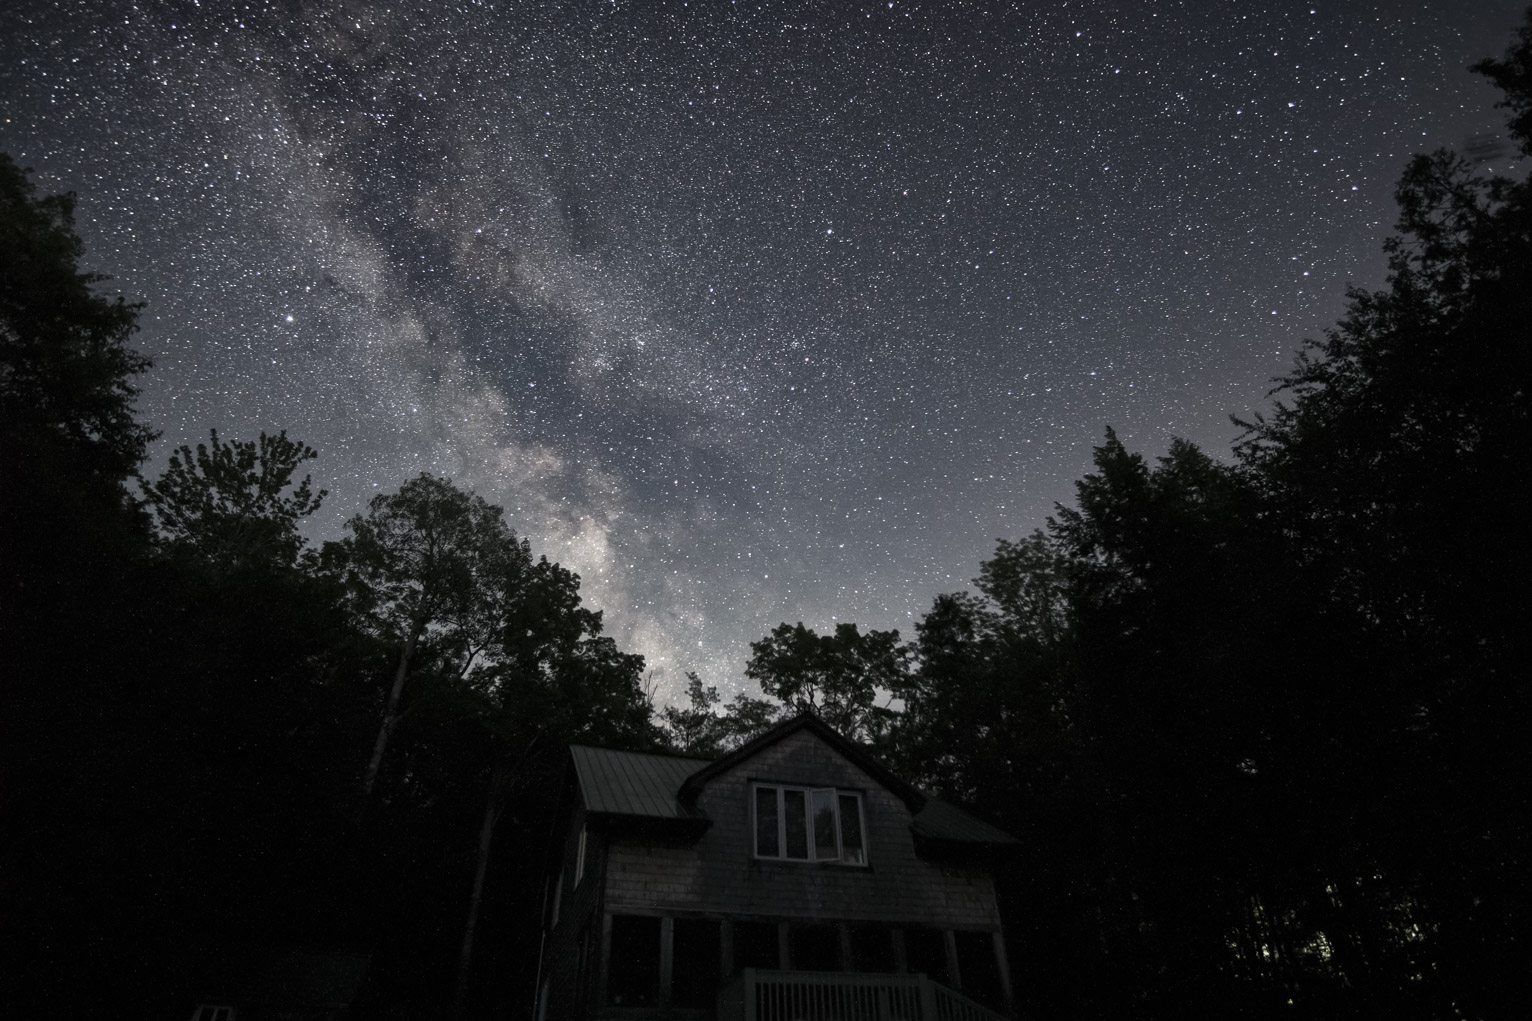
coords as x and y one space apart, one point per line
872 948
814 947
756 945
979 967
809 824
925 950
580 859
633 971
696 967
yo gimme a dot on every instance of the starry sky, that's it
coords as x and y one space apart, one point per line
749 312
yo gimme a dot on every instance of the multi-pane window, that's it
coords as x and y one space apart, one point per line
808 824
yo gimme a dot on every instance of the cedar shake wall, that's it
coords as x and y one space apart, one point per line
578 908
719 874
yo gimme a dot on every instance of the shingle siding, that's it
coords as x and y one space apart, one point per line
718 874
579 911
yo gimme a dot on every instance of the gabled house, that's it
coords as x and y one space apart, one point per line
795 877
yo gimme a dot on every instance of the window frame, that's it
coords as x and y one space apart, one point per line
835 795
580 858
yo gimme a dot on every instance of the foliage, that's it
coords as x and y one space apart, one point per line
1512 75
701 731
429 558
695 729
839 677
66 371
228 503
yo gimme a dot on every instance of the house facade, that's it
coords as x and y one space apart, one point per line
689 888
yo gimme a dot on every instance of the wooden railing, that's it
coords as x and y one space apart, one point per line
762 995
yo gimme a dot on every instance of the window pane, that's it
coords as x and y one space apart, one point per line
755 945
814 947
766 822
872 948
925 950
825 841
633 973
795 815
695 976
980 968
852 850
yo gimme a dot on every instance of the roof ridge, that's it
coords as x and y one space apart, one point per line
907 792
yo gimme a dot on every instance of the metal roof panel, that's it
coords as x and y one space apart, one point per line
632 783
645 785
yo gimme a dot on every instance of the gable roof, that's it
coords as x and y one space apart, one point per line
906 791
640 785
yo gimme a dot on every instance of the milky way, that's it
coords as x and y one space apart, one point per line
748 312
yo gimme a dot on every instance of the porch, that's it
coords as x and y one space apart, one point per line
759 994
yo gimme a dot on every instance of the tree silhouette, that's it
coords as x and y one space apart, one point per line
228 504
839 676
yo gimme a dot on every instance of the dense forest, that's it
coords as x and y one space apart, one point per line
1257 719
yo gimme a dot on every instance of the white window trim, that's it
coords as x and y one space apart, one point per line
808 808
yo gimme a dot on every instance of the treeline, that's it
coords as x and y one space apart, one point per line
1259 721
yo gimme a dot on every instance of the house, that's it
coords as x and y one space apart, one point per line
796 870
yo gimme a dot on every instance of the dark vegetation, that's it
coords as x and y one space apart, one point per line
1260 722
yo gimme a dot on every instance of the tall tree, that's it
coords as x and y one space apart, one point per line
1394 467
229 504
66 370
548 679
430 564
68 437
840 677
707 727
695 729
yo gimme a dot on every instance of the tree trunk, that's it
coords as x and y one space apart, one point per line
499 790
390 716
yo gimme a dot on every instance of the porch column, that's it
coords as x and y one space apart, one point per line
606 957
949 940
1002 961
667 957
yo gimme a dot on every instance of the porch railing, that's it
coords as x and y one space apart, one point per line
768 995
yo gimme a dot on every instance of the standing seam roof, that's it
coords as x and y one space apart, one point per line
632 783
648 786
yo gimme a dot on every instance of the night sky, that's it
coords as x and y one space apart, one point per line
747 312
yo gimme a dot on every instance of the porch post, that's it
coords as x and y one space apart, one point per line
1002 961
606 957
667 957
950 940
